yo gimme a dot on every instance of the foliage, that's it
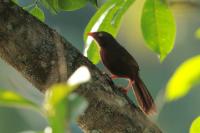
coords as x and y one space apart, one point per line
37 12
61 107
55 6
94 2
195 127
186 76
158 27
66 5
107 18
197 33
8 98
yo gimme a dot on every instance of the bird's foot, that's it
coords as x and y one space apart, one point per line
108 78
106 75
125 90
113 77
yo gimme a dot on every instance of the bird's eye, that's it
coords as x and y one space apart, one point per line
100 34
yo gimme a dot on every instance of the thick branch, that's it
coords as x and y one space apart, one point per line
45 58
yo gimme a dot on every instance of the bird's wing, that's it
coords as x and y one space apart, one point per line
131 61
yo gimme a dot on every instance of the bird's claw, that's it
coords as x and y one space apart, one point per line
125 90
106 75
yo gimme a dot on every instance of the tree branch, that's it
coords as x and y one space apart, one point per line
45 58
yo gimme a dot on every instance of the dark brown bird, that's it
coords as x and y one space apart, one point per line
122 65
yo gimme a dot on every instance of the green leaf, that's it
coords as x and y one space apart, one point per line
10 98
59 91
186 76
58 101
28 7
77 105
56 94
197 33
53 3
56 106
107 18
57 117
158 27
48 4
66 112
94 2
16 2
93 53
38 13
69 5
195 127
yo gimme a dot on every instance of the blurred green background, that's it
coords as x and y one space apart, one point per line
174 117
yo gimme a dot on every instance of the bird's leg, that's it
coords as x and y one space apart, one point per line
110 75
130 84
113 76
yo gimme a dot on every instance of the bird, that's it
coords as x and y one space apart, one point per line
122 65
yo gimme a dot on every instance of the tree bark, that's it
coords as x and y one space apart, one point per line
42 56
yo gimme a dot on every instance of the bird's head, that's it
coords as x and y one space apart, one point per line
102 38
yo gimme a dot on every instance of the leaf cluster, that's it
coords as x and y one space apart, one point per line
61 106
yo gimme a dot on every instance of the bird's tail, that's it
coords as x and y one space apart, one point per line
143 97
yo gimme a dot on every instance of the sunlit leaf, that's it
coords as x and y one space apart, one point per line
108 19
92 52
184 78
59 91
10 98
158 27
56 106
195 127
57 117
48 130
69 5
197 33
81 75
66 112
59 100
37 12
55 94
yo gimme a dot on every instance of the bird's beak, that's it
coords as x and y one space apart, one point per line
90 34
